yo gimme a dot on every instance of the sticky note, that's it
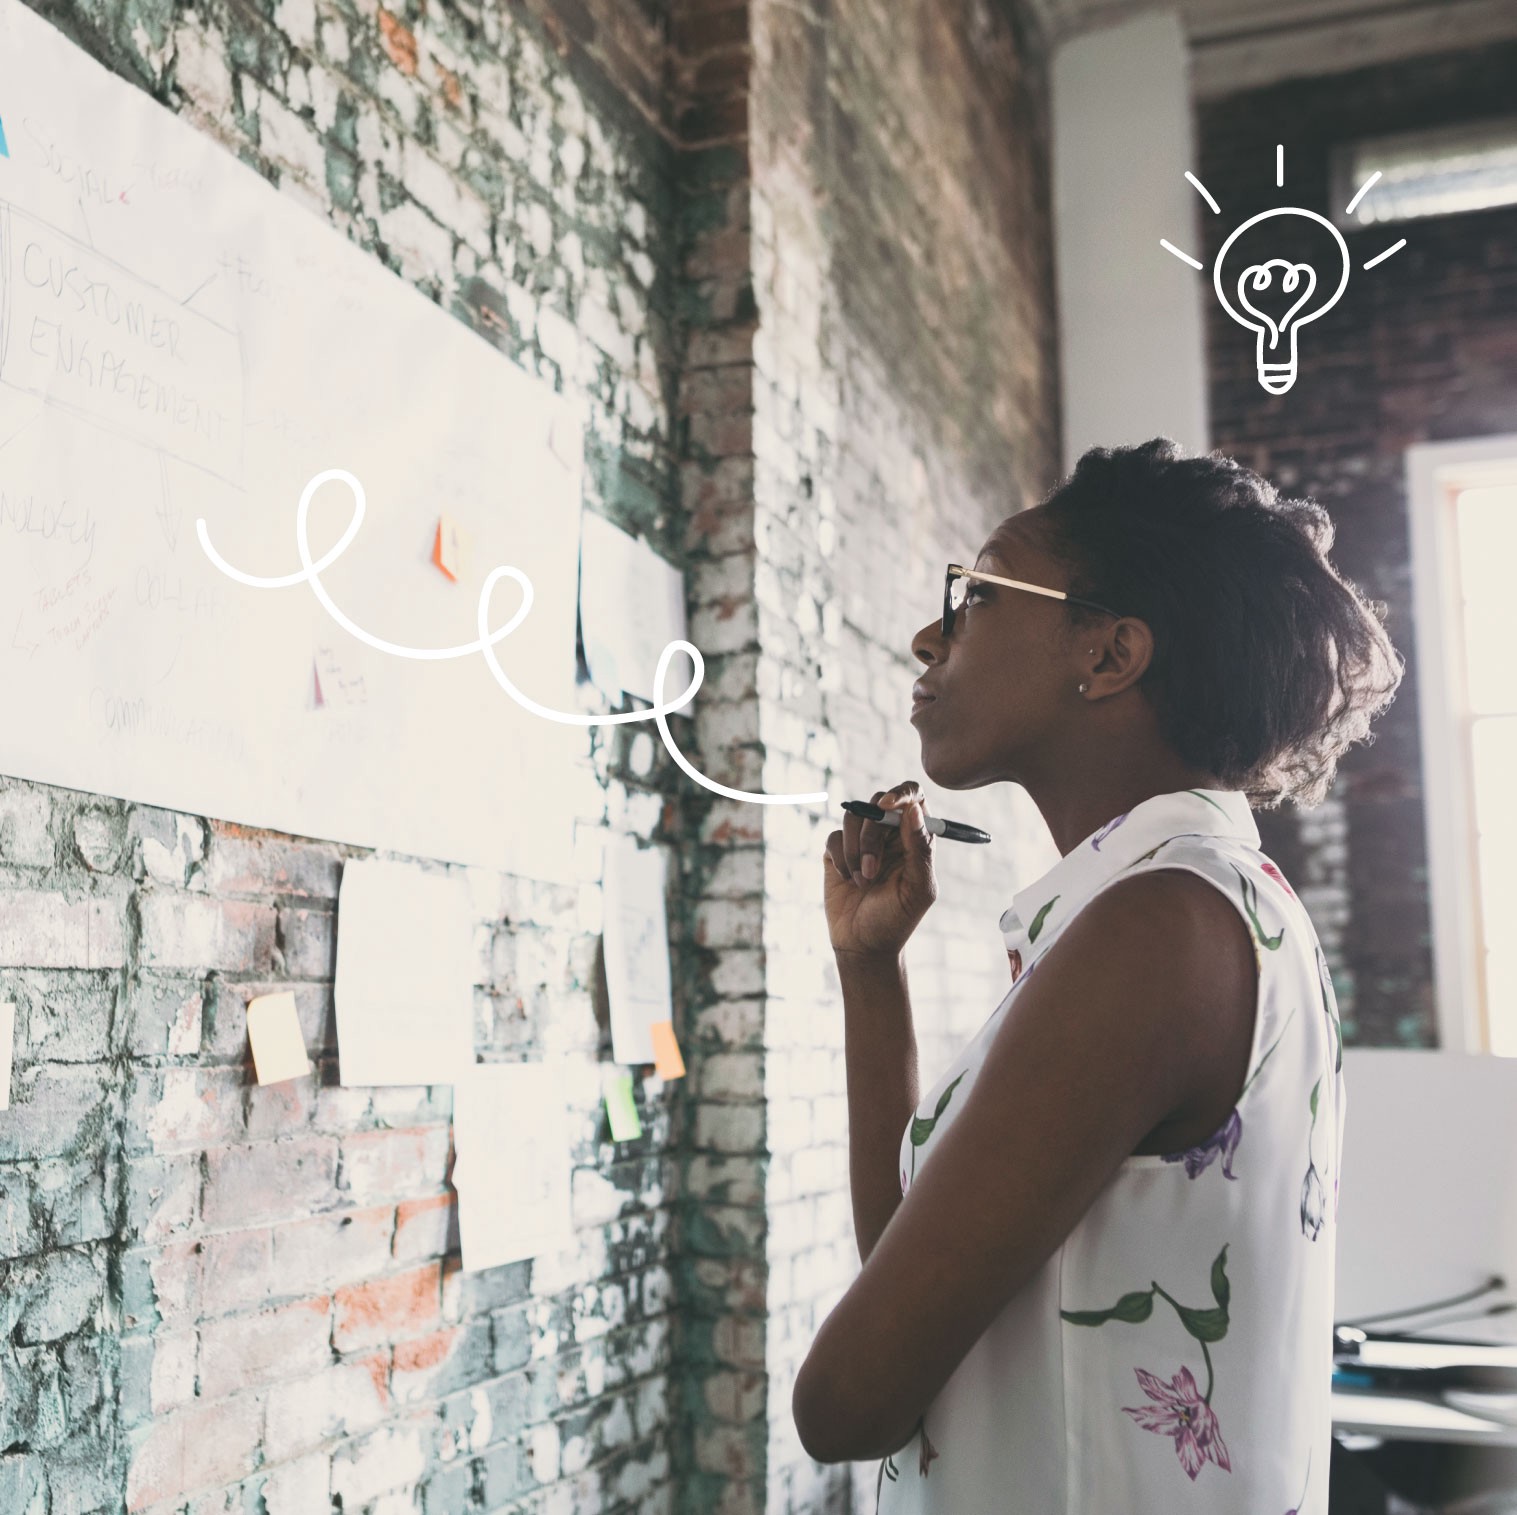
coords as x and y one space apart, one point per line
338 686
279 1050
7 1036
452 548
666 1053
620 1106
5 152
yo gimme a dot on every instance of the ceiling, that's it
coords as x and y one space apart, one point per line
1240 44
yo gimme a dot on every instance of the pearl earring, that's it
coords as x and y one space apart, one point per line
1084 687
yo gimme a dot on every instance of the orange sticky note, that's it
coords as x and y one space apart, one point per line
667 1061
450 550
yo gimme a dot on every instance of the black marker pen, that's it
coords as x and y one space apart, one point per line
953 831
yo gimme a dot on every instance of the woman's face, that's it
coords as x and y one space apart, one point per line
1004 683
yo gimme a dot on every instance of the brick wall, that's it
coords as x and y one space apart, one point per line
802 273
223 1298
1421 348
905 401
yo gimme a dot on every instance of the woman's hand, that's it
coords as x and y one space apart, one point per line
879 880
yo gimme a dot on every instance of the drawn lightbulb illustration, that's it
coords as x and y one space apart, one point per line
1244 290
1277 334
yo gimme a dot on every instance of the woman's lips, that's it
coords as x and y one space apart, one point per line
919 702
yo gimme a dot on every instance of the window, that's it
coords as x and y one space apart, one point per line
1463 500
1472 166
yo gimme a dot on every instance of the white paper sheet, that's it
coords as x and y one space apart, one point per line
404 991
279 1050
637 947
631 606
511 1170
180 341
7 1039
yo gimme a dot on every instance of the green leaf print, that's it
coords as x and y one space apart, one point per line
1315 1087
1133 1308
1040 917
1149 854
1209 800
921 1128
1251 905
1221 1289
1205 1325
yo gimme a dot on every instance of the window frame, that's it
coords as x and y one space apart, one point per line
1436 474
1345 180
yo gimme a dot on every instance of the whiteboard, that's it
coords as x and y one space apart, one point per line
1428 1204
180 341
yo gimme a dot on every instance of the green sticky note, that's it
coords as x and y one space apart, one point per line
621 1107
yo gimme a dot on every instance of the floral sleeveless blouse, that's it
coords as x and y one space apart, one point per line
1175 1353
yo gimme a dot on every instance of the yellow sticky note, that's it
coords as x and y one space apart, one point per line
7 1039
279 1050
666 1054
620 1106
451 549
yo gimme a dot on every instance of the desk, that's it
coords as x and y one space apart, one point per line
1399 1416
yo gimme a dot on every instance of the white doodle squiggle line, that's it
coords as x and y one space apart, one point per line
311 573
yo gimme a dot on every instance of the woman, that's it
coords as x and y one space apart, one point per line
1099 1278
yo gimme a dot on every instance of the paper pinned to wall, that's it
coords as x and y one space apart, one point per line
181 342
404 989
279 1050
637 948
7 1040
631 606
512 1171
621 1105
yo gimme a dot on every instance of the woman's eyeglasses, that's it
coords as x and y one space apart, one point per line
956 587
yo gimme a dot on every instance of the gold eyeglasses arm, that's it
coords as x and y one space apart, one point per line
994 578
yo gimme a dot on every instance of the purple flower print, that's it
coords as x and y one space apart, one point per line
1313 1202
924 1461
1223 1140
1302 1500
1182 1413
1107 830
1313 1195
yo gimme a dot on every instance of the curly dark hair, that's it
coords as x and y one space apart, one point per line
1267 664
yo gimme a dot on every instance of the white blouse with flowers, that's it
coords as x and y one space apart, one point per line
1175 1352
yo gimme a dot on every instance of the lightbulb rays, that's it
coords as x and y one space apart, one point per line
1276 360
1183 256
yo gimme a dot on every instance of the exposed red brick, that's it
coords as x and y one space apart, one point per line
193 1449
388 1309
399 42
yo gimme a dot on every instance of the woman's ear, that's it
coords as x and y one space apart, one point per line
1125 658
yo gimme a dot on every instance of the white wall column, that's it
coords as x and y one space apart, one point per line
1131 334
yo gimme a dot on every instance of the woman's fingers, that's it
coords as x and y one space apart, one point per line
856 835
875 837
835 855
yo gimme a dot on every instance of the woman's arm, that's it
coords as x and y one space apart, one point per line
1119 1028
881 1050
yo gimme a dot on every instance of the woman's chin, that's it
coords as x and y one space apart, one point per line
937 769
